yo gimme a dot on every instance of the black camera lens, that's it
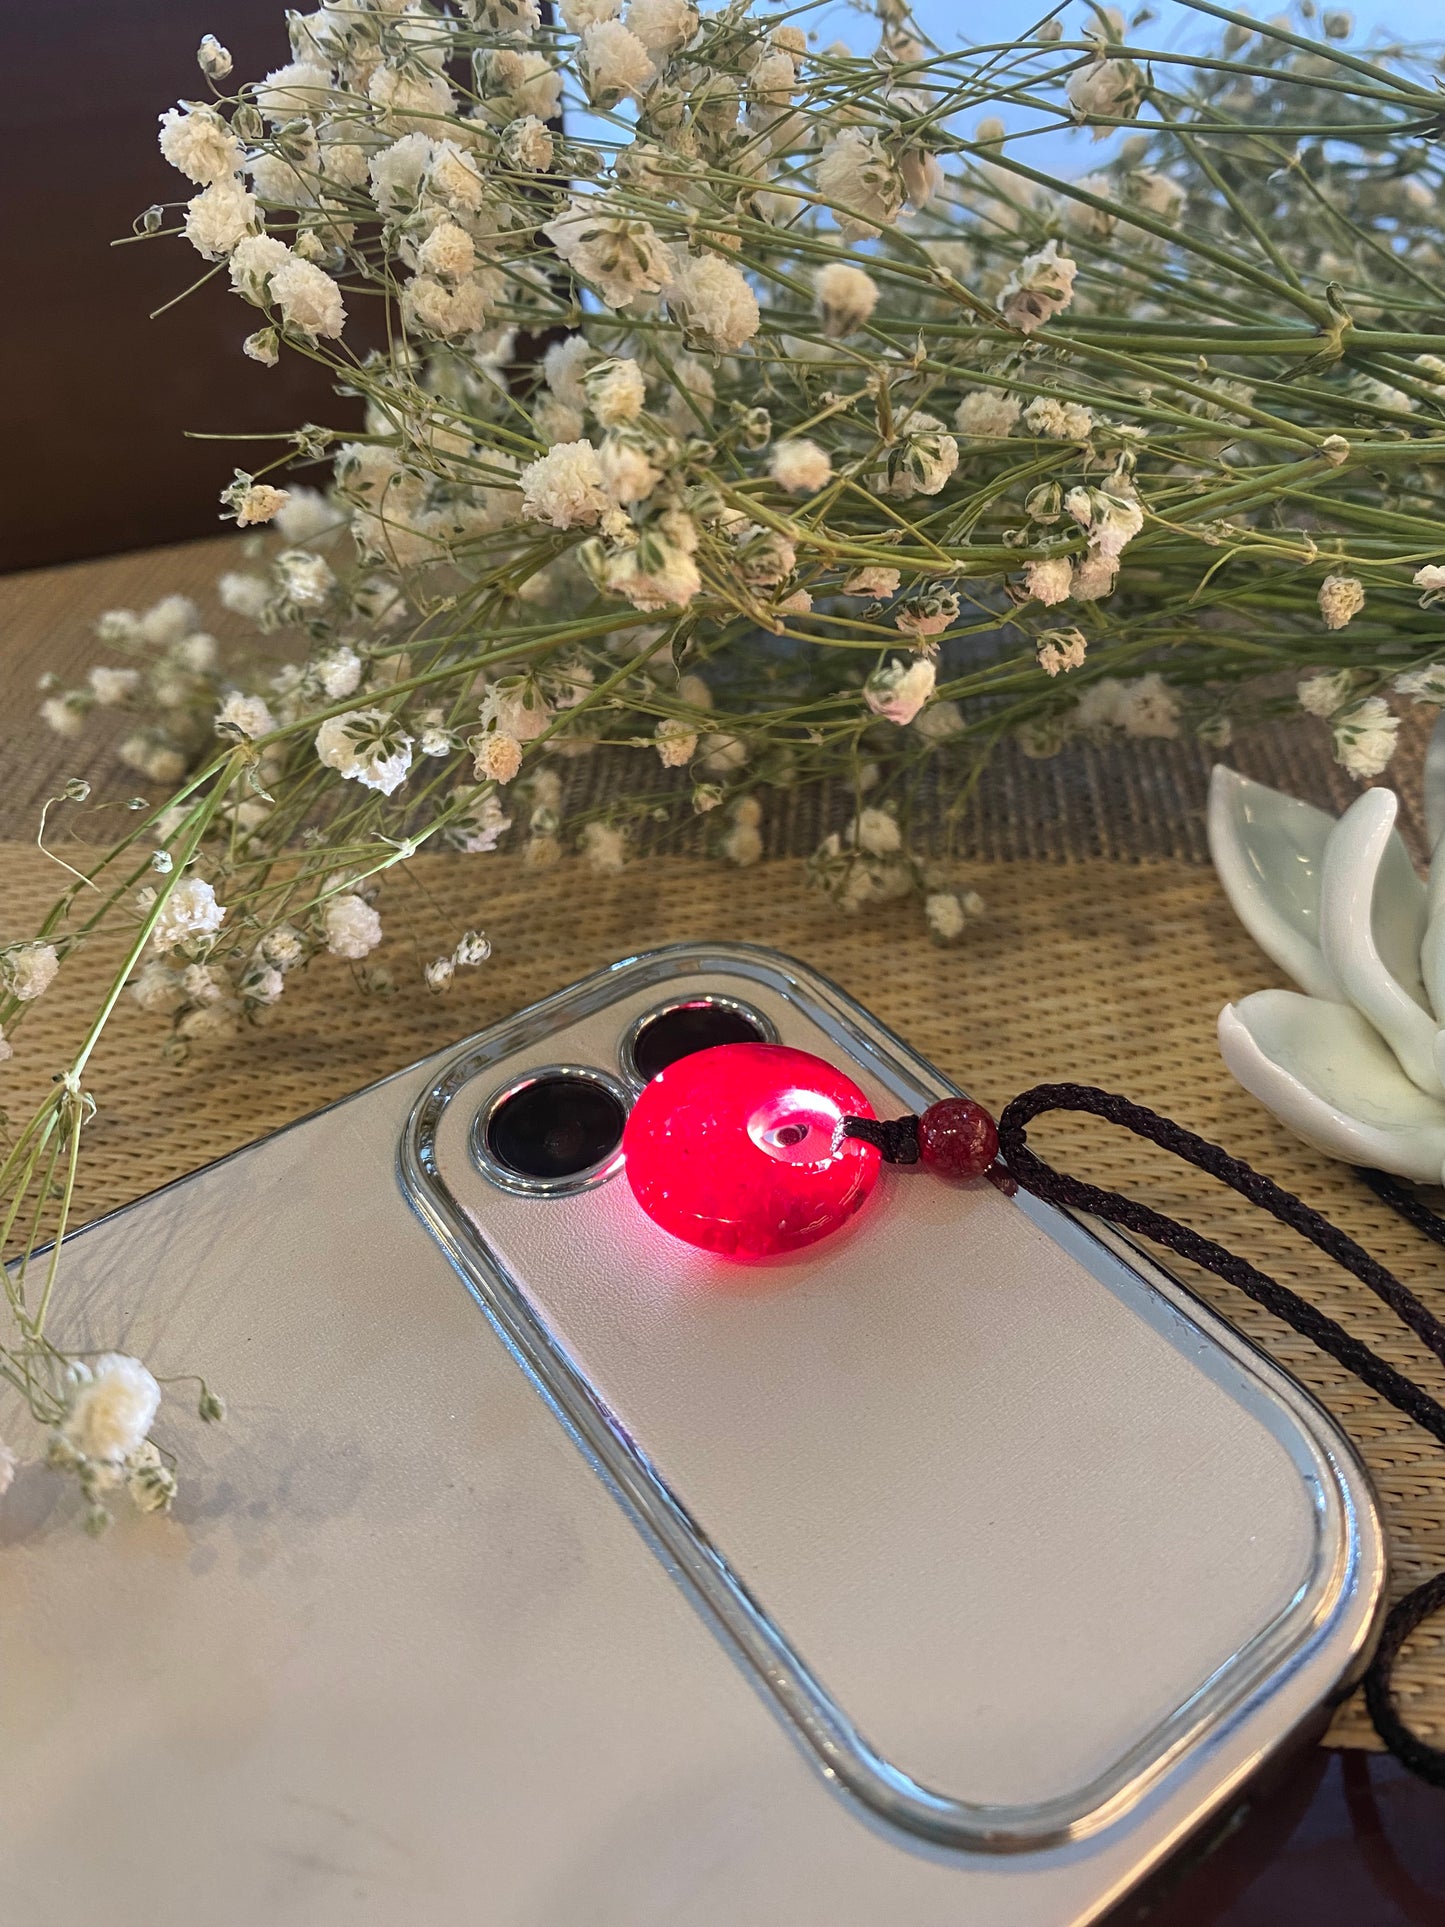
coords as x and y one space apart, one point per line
555 1127
690 1027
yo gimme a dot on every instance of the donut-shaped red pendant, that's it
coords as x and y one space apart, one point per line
740 1149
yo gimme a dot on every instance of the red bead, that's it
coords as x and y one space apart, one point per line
739 1149
957 1138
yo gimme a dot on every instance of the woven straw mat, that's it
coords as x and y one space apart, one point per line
1091 964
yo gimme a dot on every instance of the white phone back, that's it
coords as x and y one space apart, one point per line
1029 1554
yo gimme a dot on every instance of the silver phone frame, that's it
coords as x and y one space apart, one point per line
844 1754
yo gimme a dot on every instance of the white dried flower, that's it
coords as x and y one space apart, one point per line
1341 598
157 989
1060 650
579 15
284 947
564 487
411 98
615 391
1041 286
366 746
743 844
720 752
220 217
149 1480
439 973
307 516
1049 579
263 985
528 143
498 757
190 911
244 594
1065 421
939 721
472 950
201 987
662 25
308 298
515 706
872 581
1094 576
253 262
986 414
200 145
625 462
212 58
1364 737
252 503
246 716
29 970
1142 707
614 64
923 459
301 87
338 671
712 300
620 257
928 612
1425 685
1109 90
110 1407
448 250
350 926
306 579
800 466
658 573
443 311
845 298
112 686
605 847
876 833
60 714
899 690
169 621
861 184
676 742
263 346
945 914
563 367
1112 517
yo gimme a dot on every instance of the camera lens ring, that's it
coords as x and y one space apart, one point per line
747 1025
501 1124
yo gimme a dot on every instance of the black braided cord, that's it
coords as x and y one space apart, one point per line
895 1137
1058 1187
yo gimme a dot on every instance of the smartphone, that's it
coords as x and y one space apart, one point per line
954 1569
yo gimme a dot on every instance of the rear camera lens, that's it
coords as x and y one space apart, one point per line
555 1127
687 1028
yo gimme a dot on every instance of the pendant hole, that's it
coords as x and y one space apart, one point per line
788 1134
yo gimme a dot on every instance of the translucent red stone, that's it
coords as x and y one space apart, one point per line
957 1138
739 1149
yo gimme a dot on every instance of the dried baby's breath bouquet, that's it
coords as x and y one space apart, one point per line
746 410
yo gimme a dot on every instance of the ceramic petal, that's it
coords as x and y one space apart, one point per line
1372 921
1325 1073
1268 850
1435 783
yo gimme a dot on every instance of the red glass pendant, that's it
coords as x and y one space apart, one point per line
740 1149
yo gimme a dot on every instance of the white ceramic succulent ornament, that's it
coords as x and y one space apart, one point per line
1354 1061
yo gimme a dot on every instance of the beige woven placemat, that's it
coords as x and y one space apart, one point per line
1099 970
